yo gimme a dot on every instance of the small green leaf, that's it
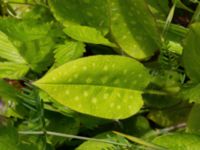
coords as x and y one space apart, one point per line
191 93
134 28
69 51
103 86
13 70
24 30
87 34
179 141
8 51
191 53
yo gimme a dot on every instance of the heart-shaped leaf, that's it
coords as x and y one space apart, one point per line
103 86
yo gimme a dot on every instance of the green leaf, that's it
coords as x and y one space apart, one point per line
69 51
136 125
89 24
38 53
8 51
81 13
191 93
159 8
170 116
34 40
24 30
191 53
103 86
133 28
179 141
8 138
87 34
193 124
13 70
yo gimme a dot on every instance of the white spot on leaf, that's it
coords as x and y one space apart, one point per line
67 92
118 95
112 105
84 68
85 93
76 98
105 68
94 100
118 107
105 96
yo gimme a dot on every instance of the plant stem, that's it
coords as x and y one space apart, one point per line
70 136
168 129
141 141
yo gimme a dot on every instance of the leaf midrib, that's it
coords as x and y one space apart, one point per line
95 85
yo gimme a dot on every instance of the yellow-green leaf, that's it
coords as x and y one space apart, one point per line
102 86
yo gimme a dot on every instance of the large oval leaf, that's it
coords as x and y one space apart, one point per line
179 141
134 28
191 53
103 86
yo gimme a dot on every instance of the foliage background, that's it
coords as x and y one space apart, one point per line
103 74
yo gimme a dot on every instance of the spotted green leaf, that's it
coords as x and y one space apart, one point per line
134 28
159 8
191 53
179 141
102 86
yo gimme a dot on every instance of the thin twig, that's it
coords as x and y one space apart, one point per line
171 128
70 136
